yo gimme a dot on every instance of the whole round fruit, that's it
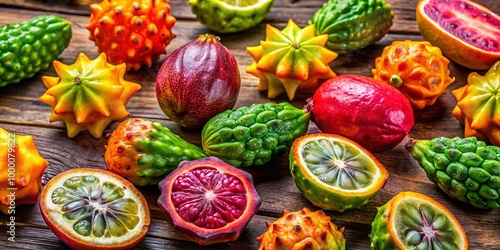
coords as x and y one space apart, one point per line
335 173
418 69
197 81
415 221
208 200
374 114
302 230
230 16
453 27
90 208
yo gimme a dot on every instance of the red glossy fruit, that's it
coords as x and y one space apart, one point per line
468 33
197 81
374 114
208 200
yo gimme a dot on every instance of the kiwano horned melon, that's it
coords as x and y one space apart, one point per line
21 170
302 230
478 107
88 94
144 152
30 46
290 59
251 135
352 25
418 69
131 32
464 168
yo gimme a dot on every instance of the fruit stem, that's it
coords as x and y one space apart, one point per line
208 38
77 81
395 81
409 144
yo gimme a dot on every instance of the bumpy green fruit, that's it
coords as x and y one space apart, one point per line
251 135
144 152
464 168
30 46
230 16
352 25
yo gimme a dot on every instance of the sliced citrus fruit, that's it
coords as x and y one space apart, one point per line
229 16
334 172
94 209
468 33
208 200
412 220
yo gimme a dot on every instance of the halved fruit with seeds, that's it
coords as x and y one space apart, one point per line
90 208
415 221
468 33
208 200
334 172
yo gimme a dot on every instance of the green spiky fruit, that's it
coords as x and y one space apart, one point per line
464 168
229 16
252 135
352 25
145 152
415 221
30 46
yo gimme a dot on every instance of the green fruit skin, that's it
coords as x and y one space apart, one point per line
209 13
352 25
464 168
380 238
313 191
30 46
252 135
162 151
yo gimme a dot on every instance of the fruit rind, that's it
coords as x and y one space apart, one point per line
51 213
325 195
207 236
36 43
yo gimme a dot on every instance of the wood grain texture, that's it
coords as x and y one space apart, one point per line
21 112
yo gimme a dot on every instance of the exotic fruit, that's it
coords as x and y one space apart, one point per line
415 221
229 16
352 25
131 32
145 152
252 135
197 81
302 230
417 69
21 170
374 114
88 94
290 59
88 208
335 173
464 168
452 26
208 200
30 46
477 106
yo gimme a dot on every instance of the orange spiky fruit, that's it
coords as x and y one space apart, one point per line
132 32
302 230
88 94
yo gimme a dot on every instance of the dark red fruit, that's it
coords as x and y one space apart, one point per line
374 114
197 81
208 200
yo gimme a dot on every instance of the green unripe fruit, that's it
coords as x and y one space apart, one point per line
252 135
464 168
30 46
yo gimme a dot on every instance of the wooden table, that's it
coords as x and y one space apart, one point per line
22 113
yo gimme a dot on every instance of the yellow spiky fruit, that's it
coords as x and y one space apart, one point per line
302 230
291 59
21 171
88 94
132 32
